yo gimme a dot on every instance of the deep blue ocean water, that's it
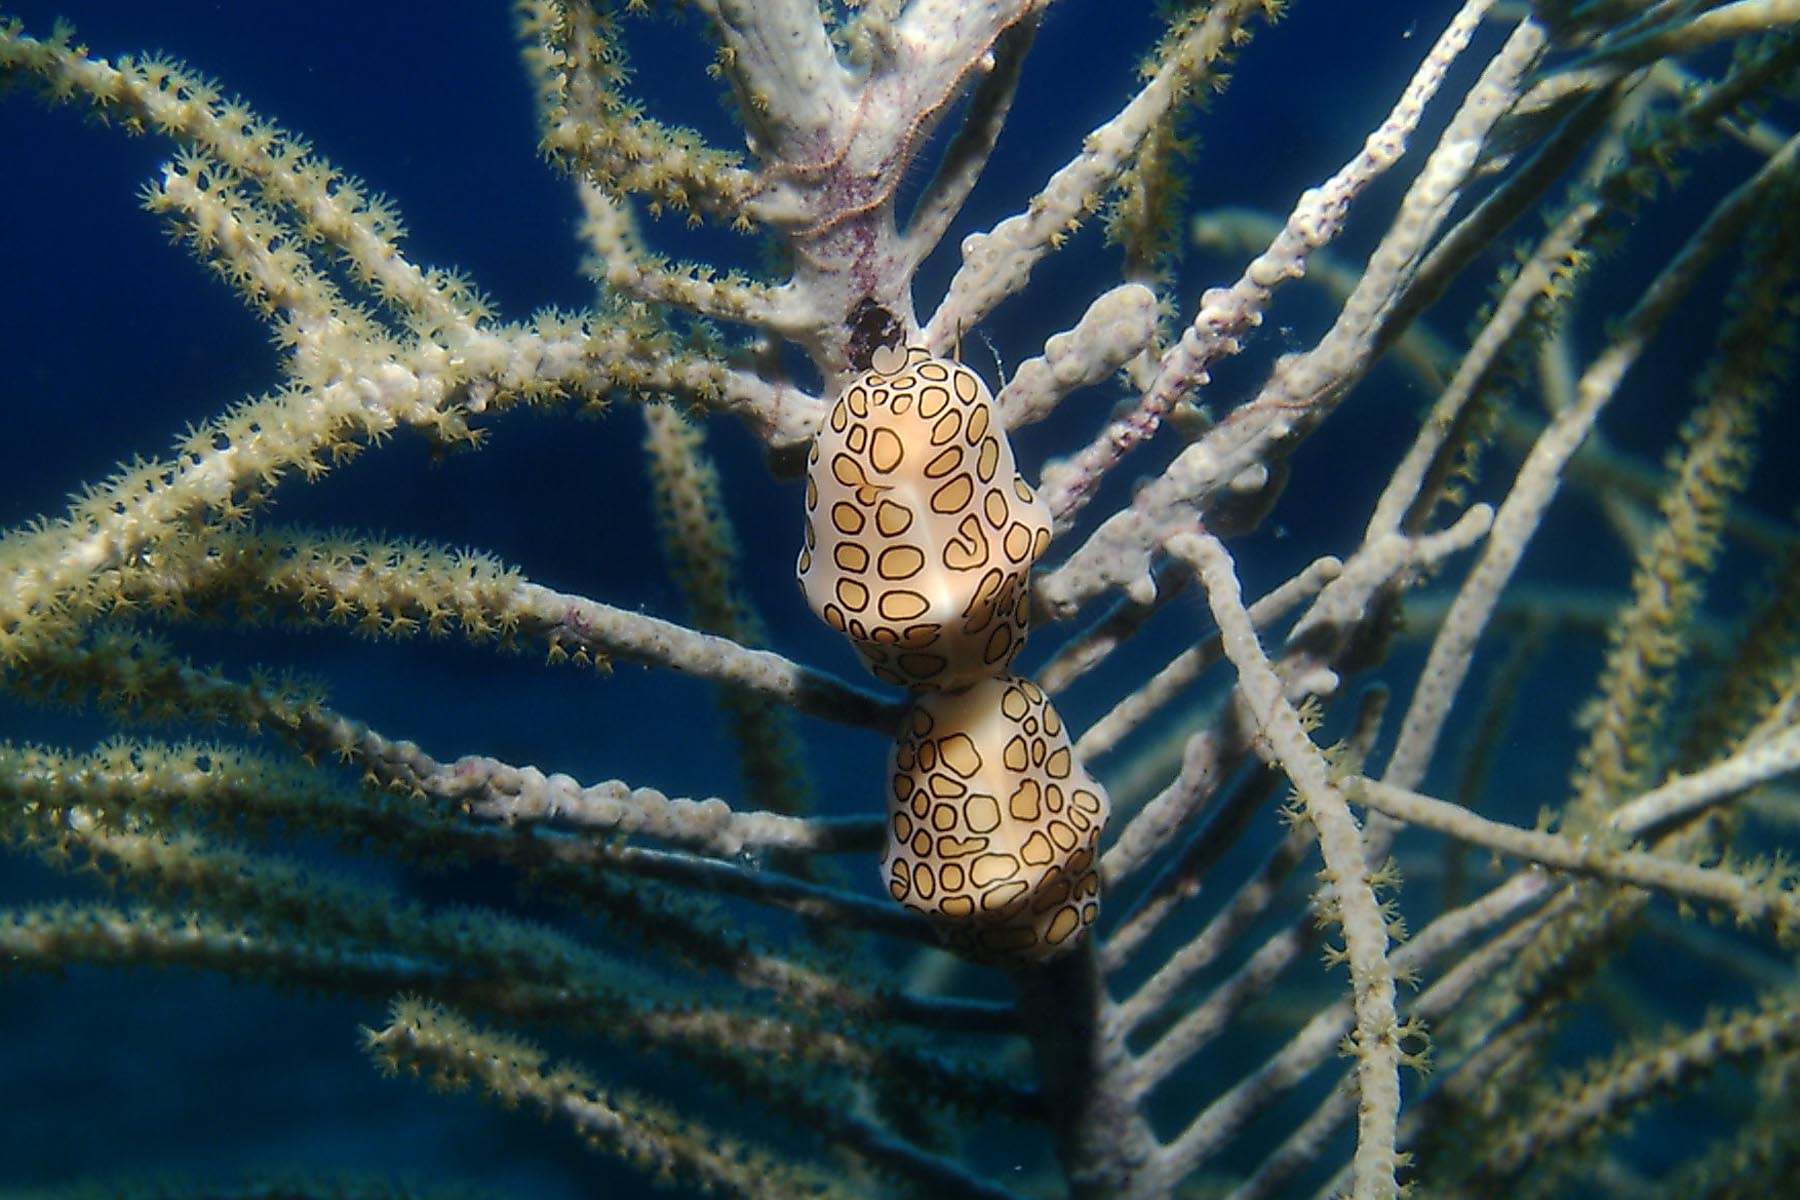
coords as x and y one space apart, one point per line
112 339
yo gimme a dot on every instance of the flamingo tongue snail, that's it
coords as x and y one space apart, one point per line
920 539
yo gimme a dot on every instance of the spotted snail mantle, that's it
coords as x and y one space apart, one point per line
920 539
